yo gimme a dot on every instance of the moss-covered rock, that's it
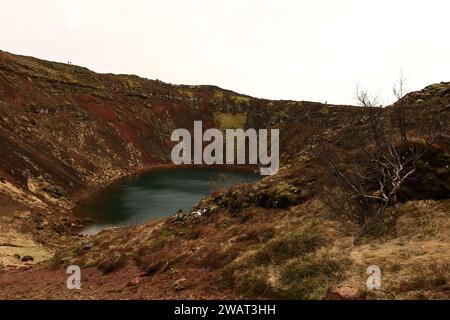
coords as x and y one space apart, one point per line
282 195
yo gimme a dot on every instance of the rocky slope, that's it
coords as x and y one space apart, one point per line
66 132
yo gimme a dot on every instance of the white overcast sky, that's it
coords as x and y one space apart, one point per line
280 49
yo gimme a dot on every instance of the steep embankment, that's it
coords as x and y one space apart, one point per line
66 131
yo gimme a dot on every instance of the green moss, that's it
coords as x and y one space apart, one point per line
230 121
282 195
186 92
241 100
310 276
285 192
132 84
218 95
289 246
325 111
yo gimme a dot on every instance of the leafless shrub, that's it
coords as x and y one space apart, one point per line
399 91
367 180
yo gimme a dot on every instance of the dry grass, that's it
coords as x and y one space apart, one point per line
416 261
289 254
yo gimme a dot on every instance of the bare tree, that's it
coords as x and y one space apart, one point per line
399 91
370 178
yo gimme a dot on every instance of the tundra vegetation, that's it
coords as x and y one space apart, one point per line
66 132
367 181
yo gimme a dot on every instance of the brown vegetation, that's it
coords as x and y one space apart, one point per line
65 132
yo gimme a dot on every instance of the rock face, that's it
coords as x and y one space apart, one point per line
65 132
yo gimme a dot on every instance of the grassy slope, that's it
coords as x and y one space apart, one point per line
272 239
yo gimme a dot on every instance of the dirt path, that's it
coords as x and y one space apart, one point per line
125 284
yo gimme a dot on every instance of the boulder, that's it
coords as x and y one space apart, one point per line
134 282
345 291
180 284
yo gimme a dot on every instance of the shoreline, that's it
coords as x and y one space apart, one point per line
79 196
87 222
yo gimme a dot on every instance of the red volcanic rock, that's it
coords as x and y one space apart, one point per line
345 291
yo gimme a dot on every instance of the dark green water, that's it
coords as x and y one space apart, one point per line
154 195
